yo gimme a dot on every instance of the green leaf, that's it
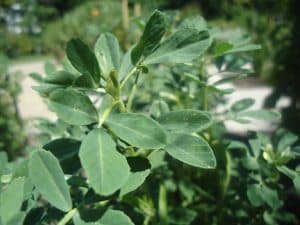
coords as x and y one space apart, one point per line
140 169
60 78
108 53
126 65
261 114
3 162
138 130
242 104
287 140
48 178
153 33
221 48
296 182
115 217
183 46
83 59
11 200
243 48
84 81
185 121
49 68
254 195
73 107
106 169
192 150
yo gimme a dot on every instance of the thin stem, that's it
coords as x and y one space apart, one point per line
131 96
67 217
105 114
163 205
127 77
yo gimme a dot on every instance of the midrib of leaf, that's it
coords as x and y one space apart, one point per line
101 160
134 131
52 181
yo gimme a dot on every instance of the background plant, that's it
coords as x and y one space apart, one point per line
149 157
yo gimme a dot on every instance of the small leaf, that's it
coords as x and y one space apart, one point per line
191 150
115 217
106 169
287 140
183 46
154 30
108 53
185 121
60 78
222 48
11 201
47 176
254 195
138 130
83 59
242 104
261 114
73 107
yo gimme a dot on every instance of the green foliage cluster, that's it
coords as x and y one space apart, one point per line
12 138
160 157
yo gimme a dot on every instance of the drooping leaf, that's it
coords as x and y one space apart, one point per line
192 150
11 201
83 59
183 46
108 53
154 30
138 130
185 121
47 176
73 107
242 104
106 169
115 217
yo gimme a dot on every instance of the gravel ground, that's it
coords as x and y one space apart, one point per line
31 104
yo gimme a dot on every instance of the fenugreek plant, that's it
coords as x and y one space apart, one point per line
120 162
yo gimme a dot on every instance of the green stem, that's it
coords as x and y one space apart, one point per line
163 205
131 96
67 217
127 77
105 114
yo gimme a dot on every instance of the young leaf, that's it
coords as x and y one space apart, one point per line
185 121
242 104
183 46
108 53
48 178
153 33
11 201
73 107
115 217
191 150
106 169
138 130
83 59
